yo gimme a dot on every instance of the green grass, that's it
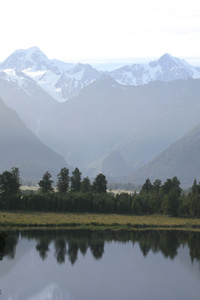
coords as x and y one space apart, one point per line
37 219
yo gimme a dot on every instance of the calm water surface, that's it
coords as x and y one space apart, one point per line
83 265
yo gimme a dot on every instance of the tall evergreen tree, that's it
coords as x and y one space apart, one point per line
157 185
147 186
85 185
195 187
100 184
63 181
10 182
76 180
46 183
172 184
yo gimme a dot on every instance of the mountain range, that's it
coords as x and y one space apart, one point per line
111 122
166 68
63 80
59 79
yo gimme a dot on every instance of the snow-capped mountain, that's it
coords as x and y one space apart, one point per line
166 68
63 80
67 84
31 58
59 79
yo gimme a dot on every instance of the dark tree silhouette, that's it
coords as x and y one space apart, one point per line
76 180
100 184
147 186
85 185
60 250
63 181
43 247
46 183
10 182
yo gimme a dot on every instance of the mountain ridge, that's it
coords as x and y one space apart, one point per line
64 80
166 68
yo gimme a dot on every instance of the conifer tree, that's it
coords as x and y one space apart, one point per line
63 181
46 183
76 180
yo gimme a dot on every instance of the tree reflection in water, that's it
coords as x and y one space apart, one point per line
68 243
60 250
8 245
3 237
43 247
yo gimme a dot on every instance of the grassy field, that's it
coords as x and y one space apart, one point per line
36 219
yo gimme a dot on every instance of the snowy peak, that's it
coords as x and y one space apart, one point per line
166 68
168 61
59 79
32 58
173 68
85 73
165 58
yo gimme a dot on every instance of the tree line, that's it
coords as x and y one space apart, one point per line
73 183
72 194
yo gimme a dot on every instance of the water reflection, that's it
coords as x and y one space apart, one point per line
8 247
67 243
88 265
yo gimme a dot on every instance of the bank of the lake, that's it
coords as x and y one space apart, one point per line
85 220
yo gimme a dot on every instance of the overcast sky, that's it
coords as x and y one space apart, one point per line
95 30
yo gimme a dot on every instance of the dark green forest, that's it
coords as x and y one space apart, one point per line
74 194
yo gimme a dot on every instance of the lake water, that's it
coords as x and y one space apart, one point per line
85 265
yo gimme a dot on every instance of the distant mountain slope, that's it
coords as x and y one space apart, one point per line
21 148
166 68
136 122
113 165
23 94
181 159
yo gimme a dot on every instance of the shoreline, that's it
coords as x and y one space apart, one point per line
30 220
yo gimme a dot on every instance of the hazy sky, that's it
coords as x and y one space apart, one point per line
92 30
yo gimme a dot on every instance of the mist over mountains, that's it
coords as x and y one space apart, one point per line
21 148
181 159
110 122
136 122
24 95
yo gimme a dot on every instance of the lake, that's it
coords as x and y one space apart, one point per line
96 265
